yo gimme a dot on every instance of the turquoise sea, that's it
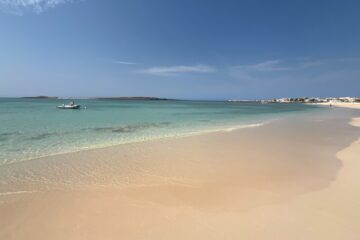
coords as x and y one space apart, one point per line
32 128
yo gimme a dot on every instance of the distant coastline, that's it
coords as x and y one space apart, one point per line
132 98
327 100
100 98
40 97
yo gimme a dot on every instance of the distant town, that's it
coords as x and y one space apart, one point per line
309 100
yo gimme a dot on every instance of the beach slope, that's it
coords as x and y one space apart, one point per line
294 178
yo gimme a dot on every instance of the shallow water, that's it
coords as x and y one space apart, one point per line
31 128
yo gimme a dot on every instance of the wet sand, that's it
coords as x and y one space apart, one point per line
293 178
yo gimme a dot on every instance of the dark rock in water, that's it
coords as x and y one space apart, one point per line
130 128
3 138
125 129
41 136
6 135
100 129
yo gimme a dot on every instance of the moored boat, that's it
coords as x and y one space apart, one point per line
71 105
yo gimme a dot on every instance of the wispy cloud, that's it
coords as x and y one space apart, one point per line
175 70
322 62
251 72
270 65
19 7
297 70
125 63
293 64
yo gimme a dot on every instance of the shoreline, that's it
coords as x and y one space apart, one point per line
267 182
182 135
339 104
26 143
225 127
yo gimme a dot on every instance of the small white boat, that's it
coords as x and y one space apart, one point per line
71 105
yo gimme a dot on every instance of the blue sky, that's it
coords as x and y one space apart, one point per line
202 49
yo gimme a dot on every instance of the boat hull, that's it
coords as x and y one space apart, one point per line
69 107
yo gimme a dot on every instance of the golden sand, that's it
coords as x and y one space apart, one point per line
355 122
341 104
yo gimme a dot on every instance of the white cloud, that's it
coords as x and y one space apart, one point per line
270 65
175 70
125 63
19 7
255 72
305 70
297 64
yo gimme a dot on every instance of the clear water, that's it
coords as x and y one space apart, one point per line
31 128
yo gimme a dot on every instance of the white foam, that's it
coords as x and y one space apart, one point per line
16 192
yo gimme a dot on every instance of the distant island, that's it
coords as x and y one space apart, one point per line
131 98
100 98
41 97
274 100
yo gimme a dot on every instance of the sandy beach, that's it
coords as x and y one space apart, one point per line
179 120
354 105
293 178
